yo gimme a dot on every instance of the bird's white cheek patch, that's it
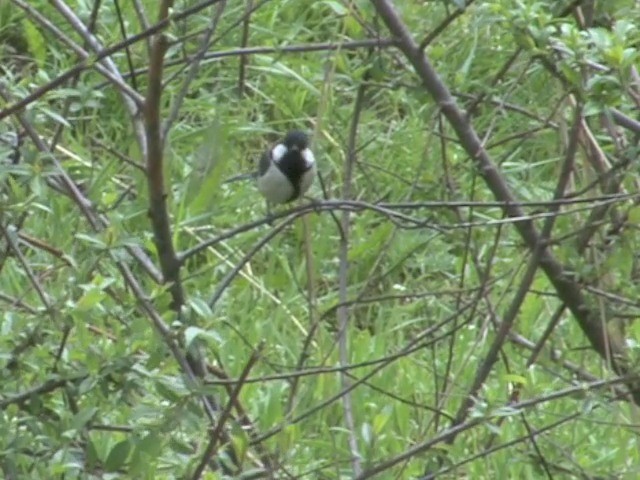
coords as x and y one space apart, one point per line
278 152
308 157
275 186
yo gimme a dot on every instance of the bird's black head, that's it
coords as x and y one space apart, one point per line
297 140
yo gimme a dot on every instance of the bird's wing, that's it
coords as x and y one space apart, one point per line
265 161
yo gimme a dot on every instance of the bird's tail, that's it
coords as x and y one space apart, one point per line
242 176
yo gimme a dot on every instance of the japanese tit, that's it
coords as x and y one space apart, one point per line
286 171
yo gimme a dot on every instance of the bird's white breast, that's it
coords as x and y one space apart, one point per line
275 186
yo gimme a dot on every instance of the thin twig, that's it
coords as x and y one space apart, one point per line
301 48
165 332
559 275
485 367
416 343
47 387
144 21
93 17
214 438
343 282
193 70
244 41
392 210
85 64
228 278
444 436
105 66
444 24
127 50
12 238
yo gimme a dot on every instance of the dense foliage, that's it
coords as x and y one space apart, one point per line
458 300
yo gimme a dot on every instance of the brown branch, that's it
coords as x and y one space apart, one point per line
158 210
301 48
419 342
244 41
36 243
93 18
18 303
131 99
444 436
484 453
393 211
96 221
216 435
485 367
103 65
194 67
569 291
170 264
625 121
144 21
47 387
85 64
228 278
12 241
343 281
443 25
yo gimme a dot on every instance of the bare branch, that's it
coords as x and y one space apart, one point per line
158 209
215 436
446 435
47 387
11 236
568 289
97 222
343 281
228 278
484 369
84 64
416 343
193 70
104 66
244 41
144 21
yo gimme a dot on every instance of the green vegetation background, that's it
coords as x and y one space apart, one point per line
90 388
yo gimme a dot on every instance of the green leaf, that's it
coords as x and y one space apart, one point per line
592 108
180 446
210 159
171 391
90 299
200 307
338 8
240 441
35 40
150 444
381 419
80 419
192 333
512 378
91 240
118 456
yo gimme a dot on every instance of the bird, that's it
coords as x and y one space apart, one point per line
286 171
